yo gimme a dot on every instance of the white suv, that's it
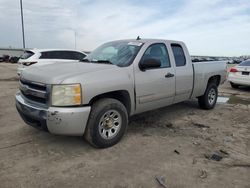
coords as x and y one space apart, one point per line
40 57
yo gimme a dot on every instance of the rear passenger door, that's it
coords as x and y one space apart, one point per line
155 87
183 72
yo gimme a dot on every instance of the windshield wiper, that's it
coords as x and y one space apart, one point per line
97 61
104 61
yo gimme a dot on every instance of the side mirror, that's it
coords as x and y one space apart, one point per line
149 63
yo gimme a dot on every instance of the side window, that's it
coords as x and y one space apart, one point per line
179 56
66 55
71 55
44 55
56 55
49 55
80 56
159 52
62 55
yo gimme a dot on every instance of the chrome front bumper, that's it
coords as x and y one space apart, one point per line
56 120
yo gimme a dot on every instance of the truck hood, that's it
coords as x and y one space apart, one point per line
56 73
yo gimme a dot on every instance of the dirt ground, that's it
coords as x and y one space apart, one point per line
175 142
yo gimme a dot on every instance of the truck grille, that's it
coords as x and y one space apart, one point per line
34 91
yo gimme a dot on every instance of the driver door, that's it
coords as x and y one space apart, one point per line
155 87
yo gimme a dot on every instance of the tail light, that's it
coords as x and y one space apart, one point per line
233 70
28 63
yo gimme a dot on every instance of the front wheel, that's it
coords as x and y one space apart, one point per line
209 99
107 123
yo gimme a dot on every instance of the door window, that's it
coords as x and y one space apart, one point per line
159 52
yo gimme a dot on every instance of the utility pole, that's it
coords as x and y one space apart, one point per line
21 5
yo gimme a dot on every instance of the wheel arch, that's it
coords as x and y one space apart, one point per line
120 95
214 79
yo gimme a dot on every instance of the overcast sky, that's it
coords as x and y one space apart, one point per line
209 27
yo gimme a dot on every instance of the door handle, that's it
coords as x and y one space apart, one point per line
169 75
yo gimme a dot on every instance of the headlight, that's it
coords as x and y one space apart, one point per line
66 95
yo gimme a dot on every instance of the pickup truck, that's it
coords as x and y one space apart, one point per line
119 79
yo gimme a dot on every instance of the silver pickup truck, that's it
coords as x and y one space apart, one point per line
94 98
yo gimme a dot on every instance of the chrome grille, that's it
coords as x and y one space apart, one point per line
33 91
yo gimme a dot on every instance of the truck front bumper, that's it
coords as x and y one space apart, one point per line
56 120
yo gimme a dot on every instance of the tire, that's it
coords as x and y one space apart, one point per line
233 85
107 123
209 99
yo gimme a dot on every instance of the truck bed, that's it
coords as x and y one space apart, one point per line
203 71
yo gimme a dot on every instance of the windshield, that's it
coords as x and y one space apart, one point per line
26 55
120 53
245 63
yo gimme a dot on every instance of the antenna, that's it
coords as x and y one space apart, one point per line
138 38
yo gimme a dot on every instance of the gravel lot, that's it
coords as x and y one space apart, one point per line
175 142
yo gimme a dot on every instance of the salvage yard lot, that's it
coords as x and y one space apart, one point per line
175 142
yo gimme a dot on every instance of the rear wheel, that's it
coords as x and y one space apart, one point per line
233 85
209 99
107 123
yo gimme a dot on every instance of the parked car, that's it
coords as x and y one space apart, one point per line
240 74
230 61
41 57
95 98
6 58
237 61
14 59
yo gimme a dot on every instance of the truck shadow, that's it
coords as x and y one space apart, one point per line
156 119
162 118
159 121
59 141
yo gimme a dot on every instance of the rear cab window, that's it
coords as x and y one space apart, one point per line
179 55
27 54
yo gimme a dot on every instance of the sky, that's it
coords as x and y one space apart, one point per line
208 27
